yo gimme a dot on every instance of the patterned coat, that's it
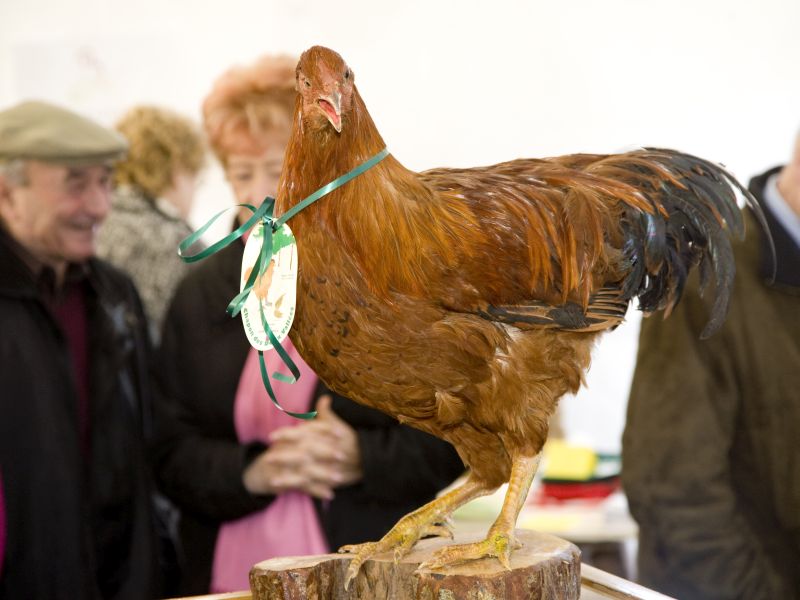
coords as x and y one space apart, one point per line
141 237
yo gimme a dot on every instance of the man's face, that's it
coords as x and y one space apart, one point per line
56 214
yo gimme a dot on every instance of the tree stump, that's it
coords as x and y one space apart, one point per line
544 568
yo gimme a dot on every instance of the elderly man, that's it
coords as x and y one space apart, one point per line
73 387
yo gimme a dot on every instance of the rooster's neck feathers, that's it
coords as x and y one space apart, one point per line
387 208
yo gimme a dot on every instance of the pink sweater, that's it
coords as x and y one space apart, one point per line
289 525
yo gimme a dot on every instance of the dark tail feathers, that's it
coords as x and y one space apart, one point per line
699 199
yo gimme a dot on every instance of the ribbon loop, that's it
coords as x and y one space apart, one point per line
187 243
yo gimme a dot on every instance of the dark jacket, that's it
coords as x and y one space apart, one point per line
200 462
77 528
711 450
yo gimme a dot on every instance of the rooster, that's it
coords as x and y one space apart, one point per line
465 302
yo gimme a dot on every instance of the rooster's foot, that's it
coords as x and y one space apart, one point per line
498 544
401 538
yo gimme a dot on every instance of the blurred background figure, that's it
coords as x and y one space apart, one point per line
252 482
155 187
74 381
711 455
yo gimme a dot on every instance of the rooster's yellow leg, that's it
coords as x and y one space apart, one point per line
500 539
430 519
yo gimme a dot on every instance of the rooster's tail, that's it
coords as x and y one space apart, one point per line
694 214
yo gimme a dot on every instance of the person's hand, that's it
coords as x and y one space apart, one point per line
314 457
283 469
329 443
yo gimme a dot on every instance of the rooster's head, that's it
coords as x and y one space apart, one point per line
325 85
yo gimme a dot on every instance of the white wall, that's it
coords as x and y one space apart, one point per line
454 84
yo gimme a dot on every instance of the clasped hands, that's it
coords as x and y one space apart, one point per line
314 457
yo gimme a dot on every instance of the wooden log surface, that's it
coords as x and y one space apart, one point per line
544 568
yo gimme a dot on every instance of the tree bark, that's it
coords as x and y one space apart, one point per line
544 568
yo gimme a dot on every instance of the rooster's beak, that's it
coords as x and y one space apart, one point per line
332 107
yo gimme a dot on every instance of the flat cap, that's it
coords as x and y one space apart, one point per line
42 131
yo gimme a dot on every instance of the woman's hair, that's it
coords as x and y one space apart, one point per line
248 101
161 142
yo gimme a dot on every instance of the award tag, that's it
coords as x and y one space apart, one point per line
274 293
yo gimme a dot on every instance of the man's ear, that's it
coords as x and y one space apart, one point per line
6 199
5 190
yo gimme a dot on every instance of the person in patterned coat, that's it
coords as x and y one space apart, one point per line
154 193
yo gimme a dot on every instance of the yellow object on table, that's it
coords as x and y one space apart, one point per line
567 462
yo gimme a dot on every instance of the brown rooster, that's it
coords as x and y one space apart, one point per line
465 302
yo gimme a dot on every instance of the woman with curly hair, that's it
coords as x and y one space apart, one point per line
251 482
154 193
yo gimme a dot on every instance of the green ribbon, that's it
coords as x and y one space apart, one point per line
329 187
187 243
264 214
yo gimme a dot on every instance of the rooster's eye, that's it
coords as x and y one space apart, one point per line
347 74
308 83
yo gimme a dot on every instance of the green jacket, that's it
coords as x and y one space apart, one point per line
711 449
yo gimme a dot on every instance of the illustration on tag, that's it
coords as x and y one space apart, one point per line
274 293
